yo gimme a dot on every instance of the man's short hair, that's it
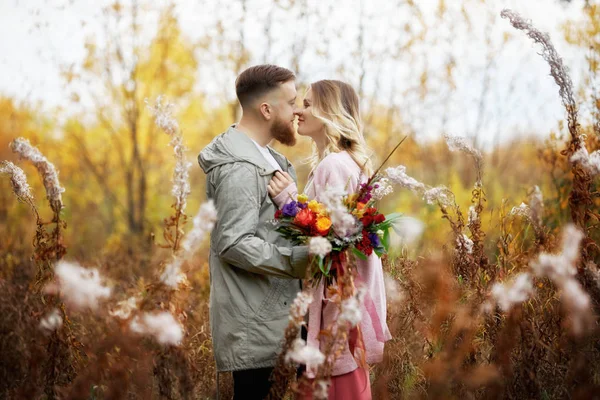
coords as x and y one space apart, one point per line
258 80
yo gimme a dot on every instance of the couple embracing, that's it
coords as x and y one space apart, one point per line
255 274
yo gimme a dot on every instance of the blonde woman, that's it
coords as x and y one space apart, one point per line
330 117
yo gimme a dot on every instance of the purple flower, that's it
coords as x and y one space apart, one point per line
302 206
374 240
290 209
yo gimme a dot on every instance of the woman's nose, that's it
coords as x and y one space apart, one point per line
298 112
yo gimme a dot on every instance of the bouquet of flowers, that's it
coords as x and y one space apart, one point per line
342 222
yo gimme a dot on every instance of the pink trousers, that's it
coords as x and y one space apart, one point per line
354 385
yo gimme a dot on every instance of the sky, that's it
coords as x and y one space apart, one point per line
495 99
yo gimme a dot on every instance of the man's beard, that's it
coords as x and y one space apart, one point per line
283 132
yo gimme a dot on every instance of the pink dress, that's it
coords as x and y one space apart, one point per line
340 170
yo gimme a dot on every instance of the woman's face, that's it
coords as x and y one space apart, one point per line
308 124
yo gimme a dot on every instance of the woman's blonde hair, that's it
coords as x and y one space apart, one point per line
336 104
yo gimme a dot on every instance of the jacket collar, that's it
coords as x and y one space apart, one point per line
242 147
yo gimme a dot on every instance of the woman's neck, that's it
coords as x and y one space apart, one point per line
321 143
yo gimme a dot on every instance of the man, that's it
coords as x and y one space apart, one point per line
254 273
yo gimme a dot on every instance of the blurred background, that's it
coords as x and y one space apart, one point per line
76 74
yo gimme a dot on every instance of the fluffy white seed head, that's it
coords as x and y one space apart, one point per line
51 322
81 288
510 294
161 325
301 353
18 180
319 246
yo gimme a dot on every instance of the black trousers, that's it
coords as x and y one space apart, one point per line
251 384
254 384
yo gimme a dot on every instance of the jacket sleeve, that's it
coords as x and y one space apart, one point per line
238 201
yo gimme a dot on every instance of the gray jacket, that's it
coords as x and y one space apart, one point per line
254 273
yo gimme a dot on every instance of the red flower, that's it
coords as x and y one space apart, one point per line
379 218
370 211
366 220
305 218
365 245
278 214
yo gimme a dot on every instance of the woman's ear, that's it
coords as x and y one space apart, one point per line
265 111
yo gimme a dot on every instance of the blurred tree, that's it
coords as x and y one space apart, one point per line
122 149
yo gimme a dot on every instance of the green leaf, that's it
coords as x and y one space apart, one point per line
379 252
359 254
393 216
389 220
328 266
386 240
320 260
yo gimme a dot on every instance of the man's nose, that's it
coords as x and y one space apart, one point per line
298 112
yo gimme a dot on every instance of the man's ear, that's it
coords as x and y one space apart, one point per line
266 110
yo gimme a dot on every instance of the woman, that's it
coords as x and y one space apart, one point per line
330 117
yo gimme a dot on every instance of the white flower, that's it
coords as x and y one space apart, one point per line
440 194
473 217
408 231
18 180
80 287
49 174
509 295
465 243
383 189
319 246
164 119
52 321
172 275
161 325
204 222
537 205
589 162
163 115
399 177
523 210
124 308
456 143
301 353
344 224
299 307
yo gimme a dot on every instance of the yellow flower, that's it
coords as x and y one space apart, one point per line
360 210
323 224
316 207
302 198
351 199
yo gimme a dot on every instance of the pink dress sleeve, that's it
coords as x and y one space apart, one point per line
288 194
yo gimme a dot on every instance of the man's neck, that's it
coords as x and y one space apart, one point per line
254 132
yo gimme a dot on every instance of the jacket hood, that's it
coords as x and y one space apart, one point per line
235 146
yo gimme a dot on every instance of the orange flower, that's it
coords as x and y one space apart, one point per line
323 224
305 218
360 210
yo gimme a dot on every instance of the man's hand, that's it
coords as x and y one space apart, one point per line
279 182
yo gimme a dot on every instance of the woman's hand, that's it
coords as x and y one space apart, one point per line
280 181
